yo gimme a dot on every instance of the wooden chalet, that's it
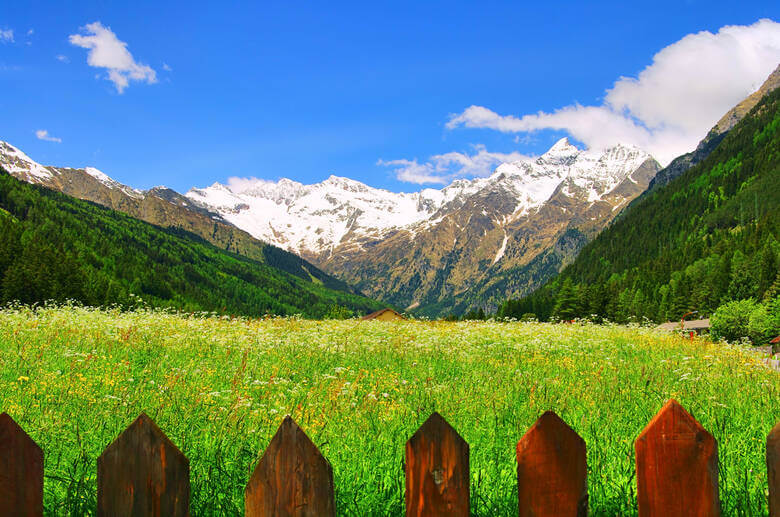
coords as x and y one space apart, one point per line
384 315
697 326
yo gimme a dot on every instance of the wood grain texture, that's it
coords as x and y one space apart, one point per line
551 470
437 471
21 471
773 469
292 479
676 466
142 473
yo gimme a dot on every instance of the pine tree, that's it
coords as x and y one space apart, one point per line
743 284
567 302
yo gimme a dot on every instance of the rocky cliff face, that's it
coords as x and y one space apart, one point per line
475 242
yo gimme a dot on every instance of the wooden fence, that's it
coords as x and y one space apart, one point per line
143 474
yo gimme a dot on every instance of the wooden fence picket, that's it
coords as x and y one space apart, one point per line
21 471
773 469
292 479
551 470
676 466
142 473
437 471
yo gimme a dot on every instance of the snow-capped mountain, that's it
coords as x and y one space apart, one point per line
315 220
429 247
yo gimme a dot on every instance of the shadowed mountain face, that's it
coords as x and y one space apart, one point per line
472 243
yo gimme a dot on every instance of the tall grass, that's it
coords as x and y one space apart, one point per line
74 378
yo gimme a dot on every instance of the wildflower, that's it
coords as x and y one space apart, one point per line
23 378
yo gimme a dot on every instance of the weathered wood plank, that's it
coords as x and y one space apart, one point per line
292 479
142 473
437 471
551 470
21 471
773 469
676 466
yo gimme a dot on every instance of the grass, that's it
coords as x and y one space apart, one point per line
74 378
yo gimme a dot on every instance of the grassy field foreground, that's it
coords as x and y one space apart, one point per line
75 378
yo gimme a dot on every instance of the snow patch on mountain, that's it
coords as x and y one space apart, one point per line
502 249
16 162
112 183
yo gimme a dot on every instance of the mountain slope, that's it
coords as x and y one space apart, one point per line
684 162
707 237
160 206
54 246
471 243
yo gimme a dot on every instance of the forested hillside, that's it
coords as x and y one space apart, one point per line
707 238
55 247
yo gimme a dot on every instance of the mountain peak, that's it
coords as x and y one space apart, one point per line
562 148
16 162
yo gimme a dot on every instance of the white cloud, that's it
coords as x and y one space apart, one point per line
107 51
30 32
167 68
7 35
672 103
43 134
63 58
239 185
443 168
413 172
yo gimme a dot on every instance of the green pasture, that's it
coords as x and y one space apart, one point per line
74 378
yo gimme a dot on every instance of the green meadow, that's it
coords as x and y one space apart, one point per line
74 378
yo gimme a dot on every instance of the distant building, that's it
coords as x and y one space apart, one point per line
384 315
697 326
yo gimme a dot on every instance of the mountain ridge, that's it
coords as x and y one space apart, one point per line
715 135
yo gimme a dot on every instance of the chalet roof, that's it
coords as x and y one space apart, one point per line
376 314
689 325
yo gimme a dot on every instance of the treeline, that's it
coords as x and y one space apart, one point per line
707 238
55 247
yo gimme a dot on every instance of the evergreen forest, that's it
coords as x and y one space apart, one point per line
55 247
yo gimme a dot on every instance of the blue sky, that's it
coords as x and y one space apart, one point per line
372 91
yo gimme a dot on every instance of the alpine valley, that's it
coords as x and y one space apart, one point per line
472 243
